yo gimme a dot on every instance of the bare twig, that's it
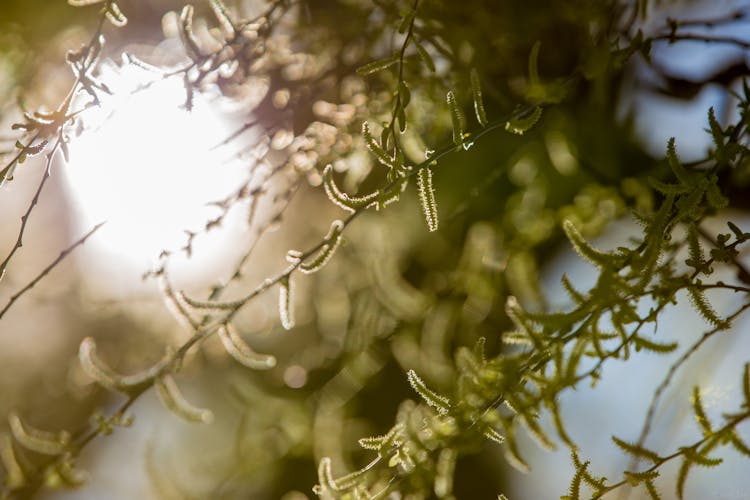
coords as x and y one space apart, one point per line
49 268
34 201
693 37
62 117
666 381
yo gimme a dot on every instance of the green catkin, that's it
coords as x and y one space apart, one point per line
333 240
440 403
521 125
427 198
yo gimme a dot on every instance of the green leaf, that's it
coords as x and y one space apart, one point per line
534 64
738 233
407 21
426 57
457 119
476 92
379 65
404 93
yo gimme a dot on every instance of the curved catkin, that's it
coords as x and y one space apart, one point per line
446 465
115 15
46 443
186 33
105 376
294 256
14 476
521 125
286 311
172 398
83 3
336 196
222 15
440 403
375 148
243 353
343 200
203 304
493 435
333 240
94 367
325 476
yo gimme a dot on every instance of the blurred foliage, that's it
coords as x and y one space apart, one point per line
496 123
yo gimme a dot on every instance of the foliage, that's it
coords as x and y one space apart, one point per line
540 162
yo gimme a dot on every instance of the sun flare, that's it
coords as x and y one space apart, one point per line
147 166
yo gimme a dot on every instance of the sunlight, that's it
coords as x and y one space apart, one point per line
146 165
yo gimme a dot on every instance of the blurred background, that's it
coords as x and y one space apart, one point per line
177 194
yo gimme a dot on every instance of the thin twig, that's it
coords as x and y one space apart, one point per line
34 201
62 117
49 268
693 37
683 450
666 381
